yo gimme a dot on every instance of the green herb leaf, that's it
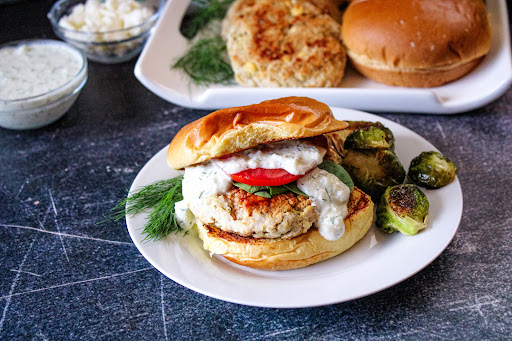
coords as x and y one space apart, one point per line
339 171
292 187
276 190
207 11
270 191
206 62
262 191
248 188
263 194
160 197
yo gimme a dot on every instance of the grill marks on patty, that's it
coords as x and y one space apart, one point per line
281 217
247 204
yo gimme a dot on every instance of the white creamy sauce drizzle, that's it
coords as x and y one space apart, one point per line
200 182
35 69
328 194
184 215
330 197
294 156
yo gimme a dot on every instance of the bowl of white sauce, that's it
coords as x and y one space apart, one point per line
40 79
108 31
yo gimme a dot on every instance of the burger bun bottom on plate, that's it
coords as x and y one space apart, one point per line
298 252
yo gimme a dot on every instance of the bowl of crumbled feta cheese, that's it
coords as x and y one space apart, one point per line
108 31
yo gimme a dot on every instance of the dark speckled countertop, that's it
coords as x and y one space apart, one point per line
65 277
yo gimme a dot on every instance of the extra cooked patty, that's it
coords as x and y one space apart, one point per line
284 44
237 211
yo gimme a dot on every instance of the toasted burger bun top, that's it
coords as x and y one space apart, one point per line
420 34
231 130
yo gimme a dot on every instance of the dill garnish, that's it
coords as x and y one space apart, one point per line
160 197
207 11
206 62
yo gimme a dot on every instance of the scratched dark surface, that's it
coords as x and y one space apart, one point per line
63 276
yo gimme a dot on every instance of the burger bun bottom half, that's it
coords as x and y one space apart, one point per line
416 78
298 252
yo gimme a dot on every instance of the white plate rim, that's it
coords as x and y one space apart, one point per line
486 83
201 278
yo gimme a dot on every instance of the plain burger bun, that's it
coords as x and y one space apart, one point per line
231 130
285 254
416 43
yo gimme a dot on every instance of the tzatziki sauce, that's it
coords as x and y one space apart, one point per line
330 197
39 81
295 156
31 70
198 183
184 215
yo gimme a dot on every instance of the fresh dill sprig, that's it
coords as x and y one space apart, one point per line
162 221
160 197
208 10
206 62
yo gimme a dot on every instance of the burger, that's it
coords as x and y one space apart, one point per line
260 190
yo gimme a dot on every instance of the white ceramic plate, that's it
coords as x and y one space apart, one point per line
486 83
375 263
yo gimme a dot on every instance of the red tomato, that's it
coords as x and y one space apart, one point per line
265 177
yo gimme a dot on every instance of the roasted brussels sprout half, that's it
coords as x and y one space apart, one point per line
368 138
431 170
403 208
373 170
336 140
365 150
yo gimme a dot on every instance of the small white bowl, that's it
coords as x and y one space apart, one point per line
40 107
108 47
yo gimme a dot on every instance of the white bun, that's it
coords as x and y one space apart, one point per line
301 251
416 43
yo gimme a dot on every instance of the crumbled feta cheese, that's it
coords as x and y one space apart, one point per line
105 16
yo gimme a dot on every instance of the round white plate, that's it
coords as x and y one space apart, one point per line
376 262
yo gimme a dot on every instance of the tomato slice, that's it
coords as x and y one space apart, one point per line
265 177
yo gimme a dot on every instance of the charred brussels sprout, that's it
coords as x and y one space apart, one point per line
368 138
336 140
431 170
366 151
403 208
373 170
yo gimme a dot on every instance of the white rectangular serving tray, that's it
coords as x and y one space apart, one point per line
483 85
